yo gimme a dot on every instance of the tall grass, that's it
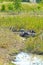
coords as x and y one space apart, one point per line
34 44
23 21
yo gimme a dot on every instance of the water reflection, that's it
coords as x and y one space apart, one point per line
27 59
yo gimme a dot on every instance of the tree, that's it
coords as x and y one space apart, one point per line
38 1
42 1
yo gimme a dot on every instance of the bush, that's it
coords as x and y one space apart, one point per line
3 8
10 7
17 5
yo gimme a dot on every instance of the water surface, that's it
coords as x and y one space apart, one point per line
28 59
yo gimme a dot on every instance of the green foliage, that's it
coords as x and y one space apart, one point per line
17 4
10 7
20 7
41 1
25 0
3 8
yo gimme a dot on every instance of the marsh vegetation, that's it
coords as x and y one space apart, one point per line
28 16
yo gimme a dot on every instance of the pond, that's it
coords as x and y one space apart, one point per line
28 59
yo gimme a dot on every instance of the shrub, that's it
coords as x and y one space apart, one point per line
3 8
17 5
10 7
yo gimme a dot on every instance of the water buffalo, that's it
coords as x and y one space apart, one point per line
27 33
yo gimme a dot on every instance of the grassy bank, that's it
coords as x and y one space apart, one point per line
29 17
24 21
10 44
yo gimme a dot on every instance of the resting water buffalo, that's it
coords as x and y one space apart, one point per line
27 33
21 30
24 34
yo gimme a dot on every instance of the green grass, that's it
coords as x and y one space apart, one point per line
23 21
34 44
